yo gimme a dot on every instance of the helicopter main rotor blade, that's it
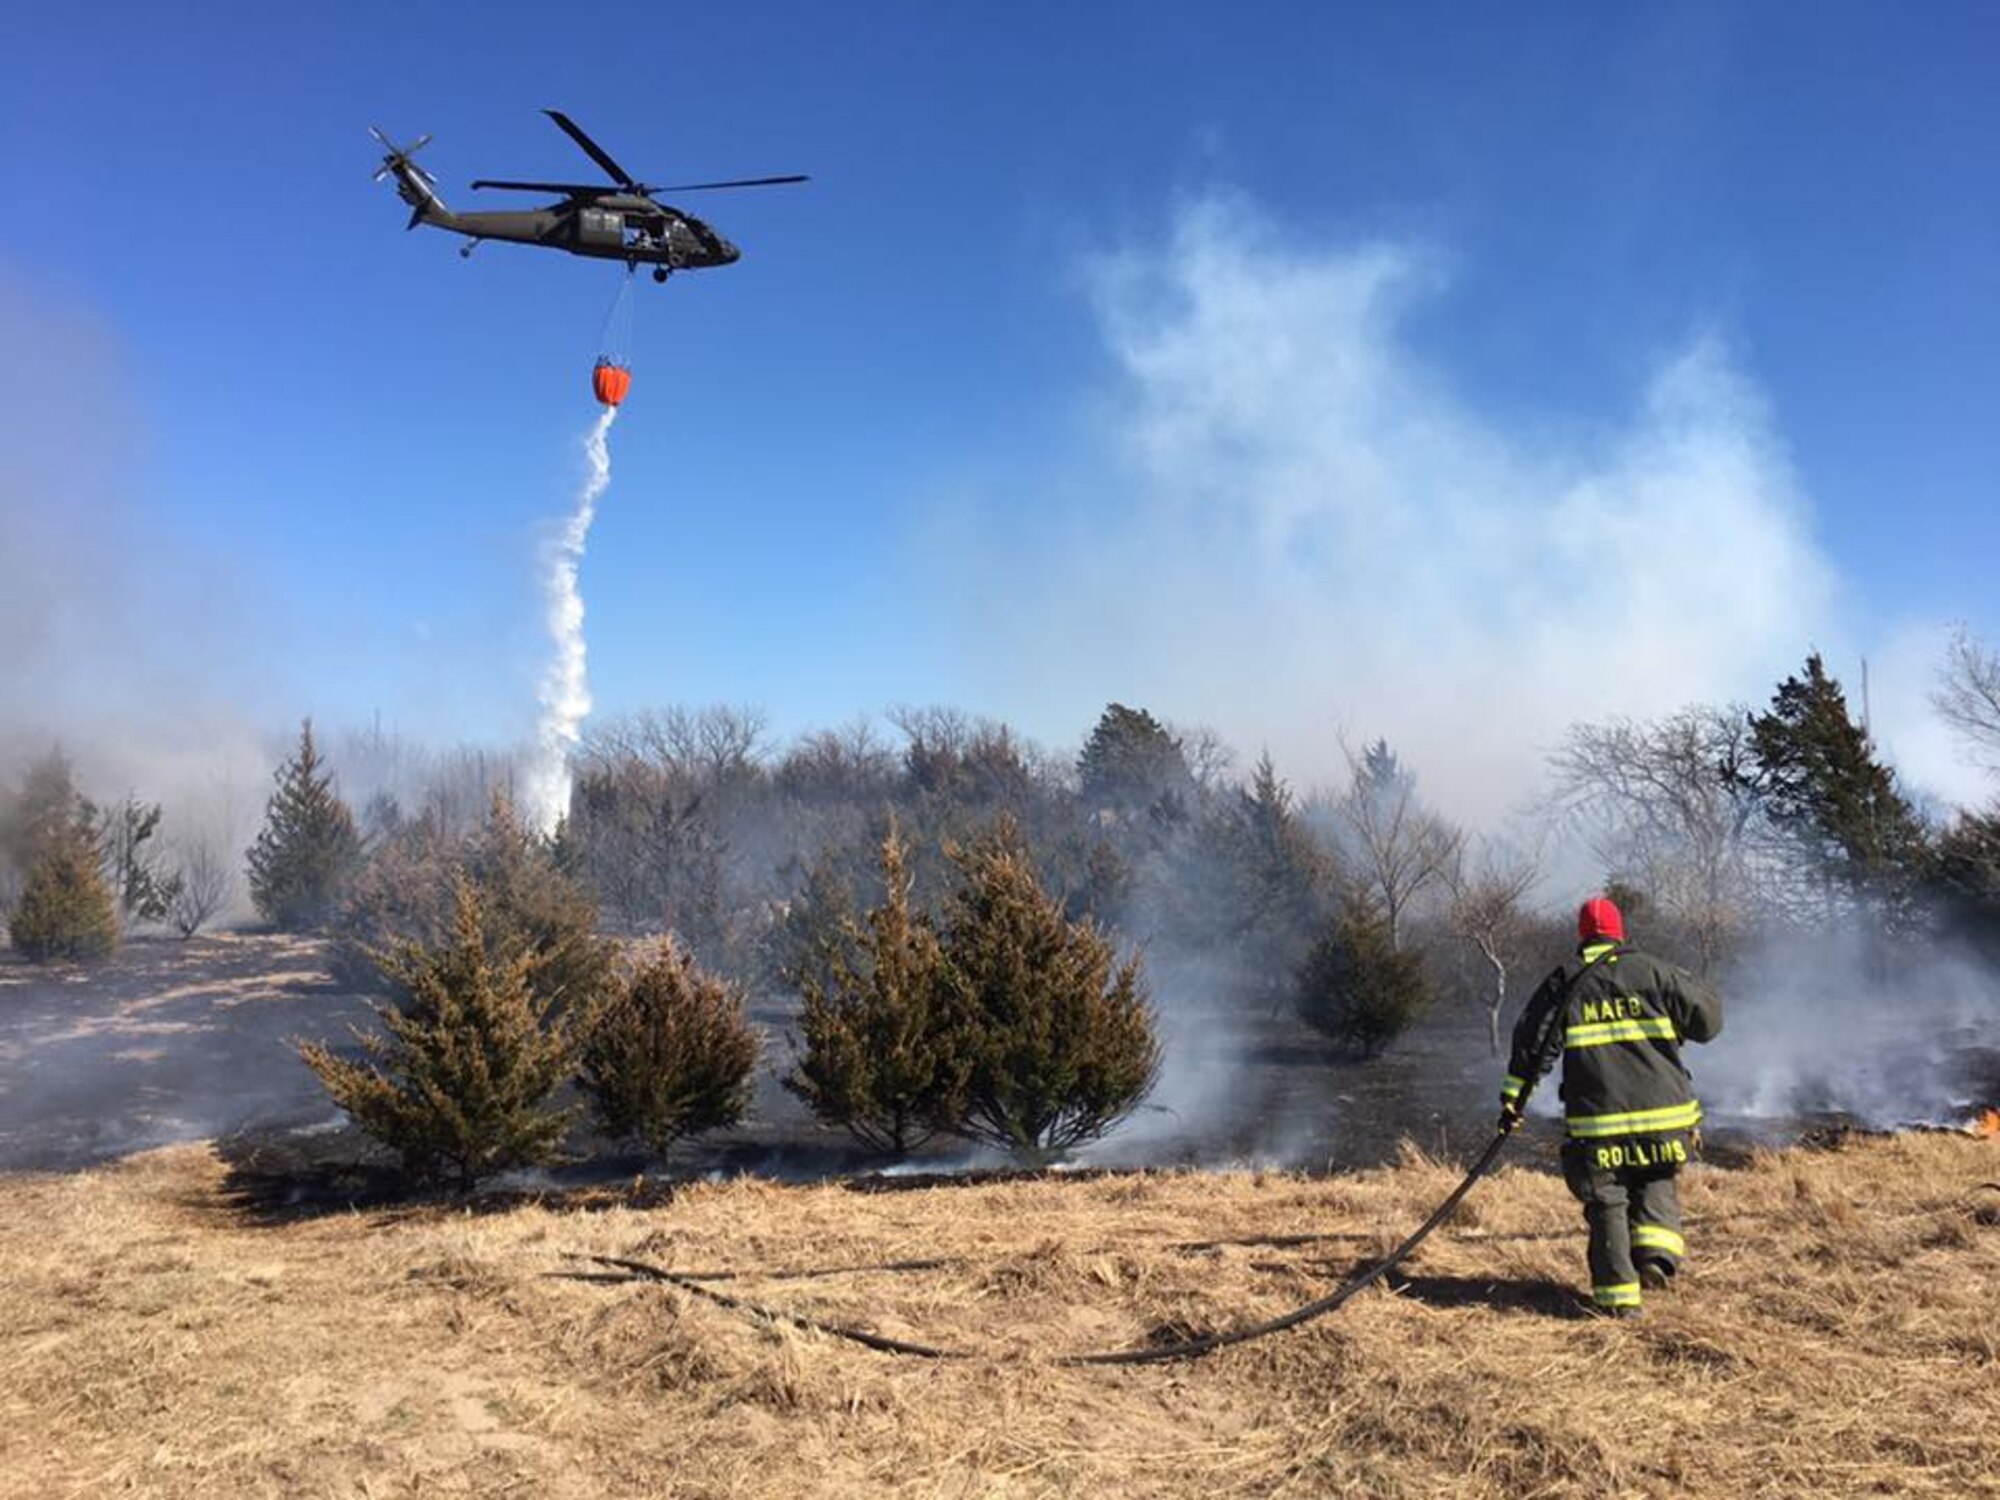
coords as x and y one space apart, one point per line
591 149
573 189
697 187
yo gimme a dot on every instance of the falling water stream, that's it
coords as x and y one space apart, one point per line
565 685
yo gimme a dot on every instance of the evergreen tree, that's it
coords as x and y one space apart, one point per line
1132 765
1814 771
811 925
402 891
48 807
1285 877
308 848
65 909
459 1086
529 898
1357 986
1968 878
1381 773
878 1060
1056 1033
671 1054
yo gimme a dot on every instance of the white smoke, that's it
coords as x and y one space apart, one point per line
1838 1022
565 689
1305 527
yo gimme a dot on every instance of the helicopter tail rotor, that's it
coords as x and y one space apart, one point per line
399 156
414 185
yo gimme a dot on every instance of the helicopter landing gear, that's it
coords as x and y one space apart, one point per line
660 273
465 250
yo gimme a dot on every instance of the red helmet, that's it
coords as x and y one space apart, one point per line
1599 920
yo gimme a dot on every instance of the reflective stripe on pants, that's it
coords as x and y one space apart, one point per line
1630 1210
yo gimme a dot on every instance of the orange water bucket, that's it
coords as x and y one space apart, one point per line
609 382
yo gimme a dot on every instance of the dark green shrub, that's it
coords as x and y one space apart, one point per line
1055 1034
459 1086
670 1054
877 1060
66 910
308 848
1357 987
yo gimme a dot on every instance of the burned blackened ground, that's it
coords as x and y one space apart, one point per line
166 1042
178 1041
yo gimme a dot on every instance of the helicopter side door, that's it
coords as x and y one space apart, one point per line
600 229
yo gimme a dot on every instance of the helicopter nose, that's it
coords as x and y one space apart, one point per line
730 253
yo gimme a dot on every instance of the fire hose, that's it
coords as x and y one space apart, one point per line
1190 1348
1159 1353
1143 1355
1509 1119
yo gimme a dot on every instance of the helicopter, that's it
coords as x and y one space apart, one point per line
616 221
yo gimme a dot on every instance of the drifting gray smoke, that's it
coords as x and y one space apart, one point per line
1839 1024
565 689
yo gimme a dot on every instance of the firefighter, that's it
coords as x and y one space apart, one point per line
1617 1018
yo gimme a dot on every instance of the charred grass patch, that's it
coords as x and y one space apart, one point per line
1834 1334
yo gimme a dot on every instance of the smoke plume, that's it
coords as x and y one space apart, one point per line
565 690
1306 525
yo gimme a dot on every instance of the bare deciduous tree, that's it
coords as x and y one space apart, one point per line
1664 805
831 764
1209 758
1390 845
459 786
1968 695
708 747
144 887
206 884
1489 891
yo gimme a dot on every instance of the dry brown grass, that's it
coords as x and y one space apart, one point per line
1837 1335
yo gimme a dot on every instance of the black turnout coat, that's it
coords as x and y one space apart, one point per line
1617 1018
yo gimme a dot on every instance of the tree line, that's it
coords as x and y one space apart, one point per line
965 923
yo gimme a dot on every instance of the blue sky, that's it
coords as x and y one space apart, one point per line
1307 370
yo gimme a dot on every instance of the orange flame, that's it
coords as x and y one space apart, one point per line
1987 1126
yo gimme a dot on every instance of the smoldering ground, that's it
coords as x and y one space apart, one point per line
172 1041
1846 1023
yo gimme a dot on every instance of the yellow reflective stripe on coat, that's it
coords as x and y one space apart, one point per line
1601 1033
1617 1294
1637 1122
1657 1237
1510 1087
